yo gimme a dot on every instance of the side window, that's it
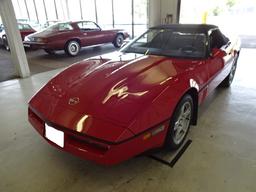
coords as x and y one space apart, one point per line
218 39
26 26
20 26
88 26
65 27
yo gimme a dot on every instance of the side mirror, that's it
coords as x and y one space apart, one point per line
218 53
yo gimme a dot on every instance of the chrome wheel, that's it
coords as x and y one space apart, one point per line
73 48
182 123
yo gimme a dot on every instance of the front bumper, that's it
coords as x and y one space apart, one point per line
93 149
35 45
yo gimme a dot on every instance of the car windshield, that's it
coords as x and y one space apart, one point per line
169 42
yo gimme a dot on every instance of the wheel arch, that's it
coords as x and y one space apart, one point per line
193 92
73 39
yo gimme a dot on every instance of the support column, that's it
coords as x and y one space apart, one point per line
18 55
154 12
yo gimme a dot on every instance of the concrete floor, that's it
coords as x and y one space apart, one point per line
39 61
221 157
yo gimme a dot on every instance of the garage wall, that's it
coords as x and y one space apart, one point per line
162 12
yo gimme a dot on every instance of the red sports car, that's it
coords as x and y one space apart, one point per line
71 36
112 107
25 29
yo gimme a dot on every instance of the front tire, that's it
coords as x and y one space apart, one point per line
72 48
118 42
180 123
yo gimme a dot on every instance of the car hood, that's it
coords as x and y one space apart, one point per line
113 88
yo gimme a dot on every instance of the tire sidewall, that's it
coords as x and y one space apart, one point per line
169 143
119 37
68 48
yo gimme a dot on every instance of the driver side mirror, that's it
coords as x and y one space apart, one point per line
218 53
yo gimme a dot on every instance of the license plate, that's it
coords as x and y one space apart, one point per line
26 45
54 135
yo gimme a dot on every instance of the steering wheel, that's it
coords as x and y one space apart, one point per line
188 49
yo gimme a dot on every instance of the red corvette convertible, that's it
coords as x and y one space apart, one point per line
71 36
112 107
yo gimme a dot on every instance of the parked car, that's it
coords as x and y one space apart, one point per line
34 24
71 36
25 29
112 107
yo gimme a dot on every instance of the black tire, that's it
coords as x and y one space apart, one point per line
176 135
119 40
49 51
229 79
5 43
72 48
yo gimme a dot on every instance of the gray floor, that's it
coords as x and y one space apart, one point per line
222 156
39 61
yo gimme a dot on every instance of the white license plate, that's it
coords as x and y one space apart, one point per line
54 135
26 45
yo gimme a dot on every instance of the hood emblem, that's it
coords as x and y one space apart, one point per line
73 101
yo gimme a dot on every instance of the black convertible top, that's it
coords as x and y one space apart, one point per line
199 28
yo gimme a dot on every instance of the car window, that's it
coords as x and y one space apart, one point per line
218 39
20 26
65 27
88 26
26 27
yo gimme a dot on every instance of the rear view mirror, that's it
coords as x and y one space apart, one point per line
218 53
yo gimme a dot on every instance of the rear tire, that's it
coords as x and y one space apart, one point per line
72 48
180 123
49 51
118 42
229 79
5 43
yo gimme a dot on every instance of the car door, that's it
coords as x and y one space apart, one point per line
90 33
218 67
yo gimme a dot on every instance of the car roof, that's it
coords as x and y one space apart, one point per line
199 28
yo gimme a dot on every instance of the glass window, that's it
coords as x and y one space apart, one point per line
62 10
20 5
140 12
74 10
40 11
20 27
123 11
31 10
88 10
65 27
88 26
50 8
104 11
